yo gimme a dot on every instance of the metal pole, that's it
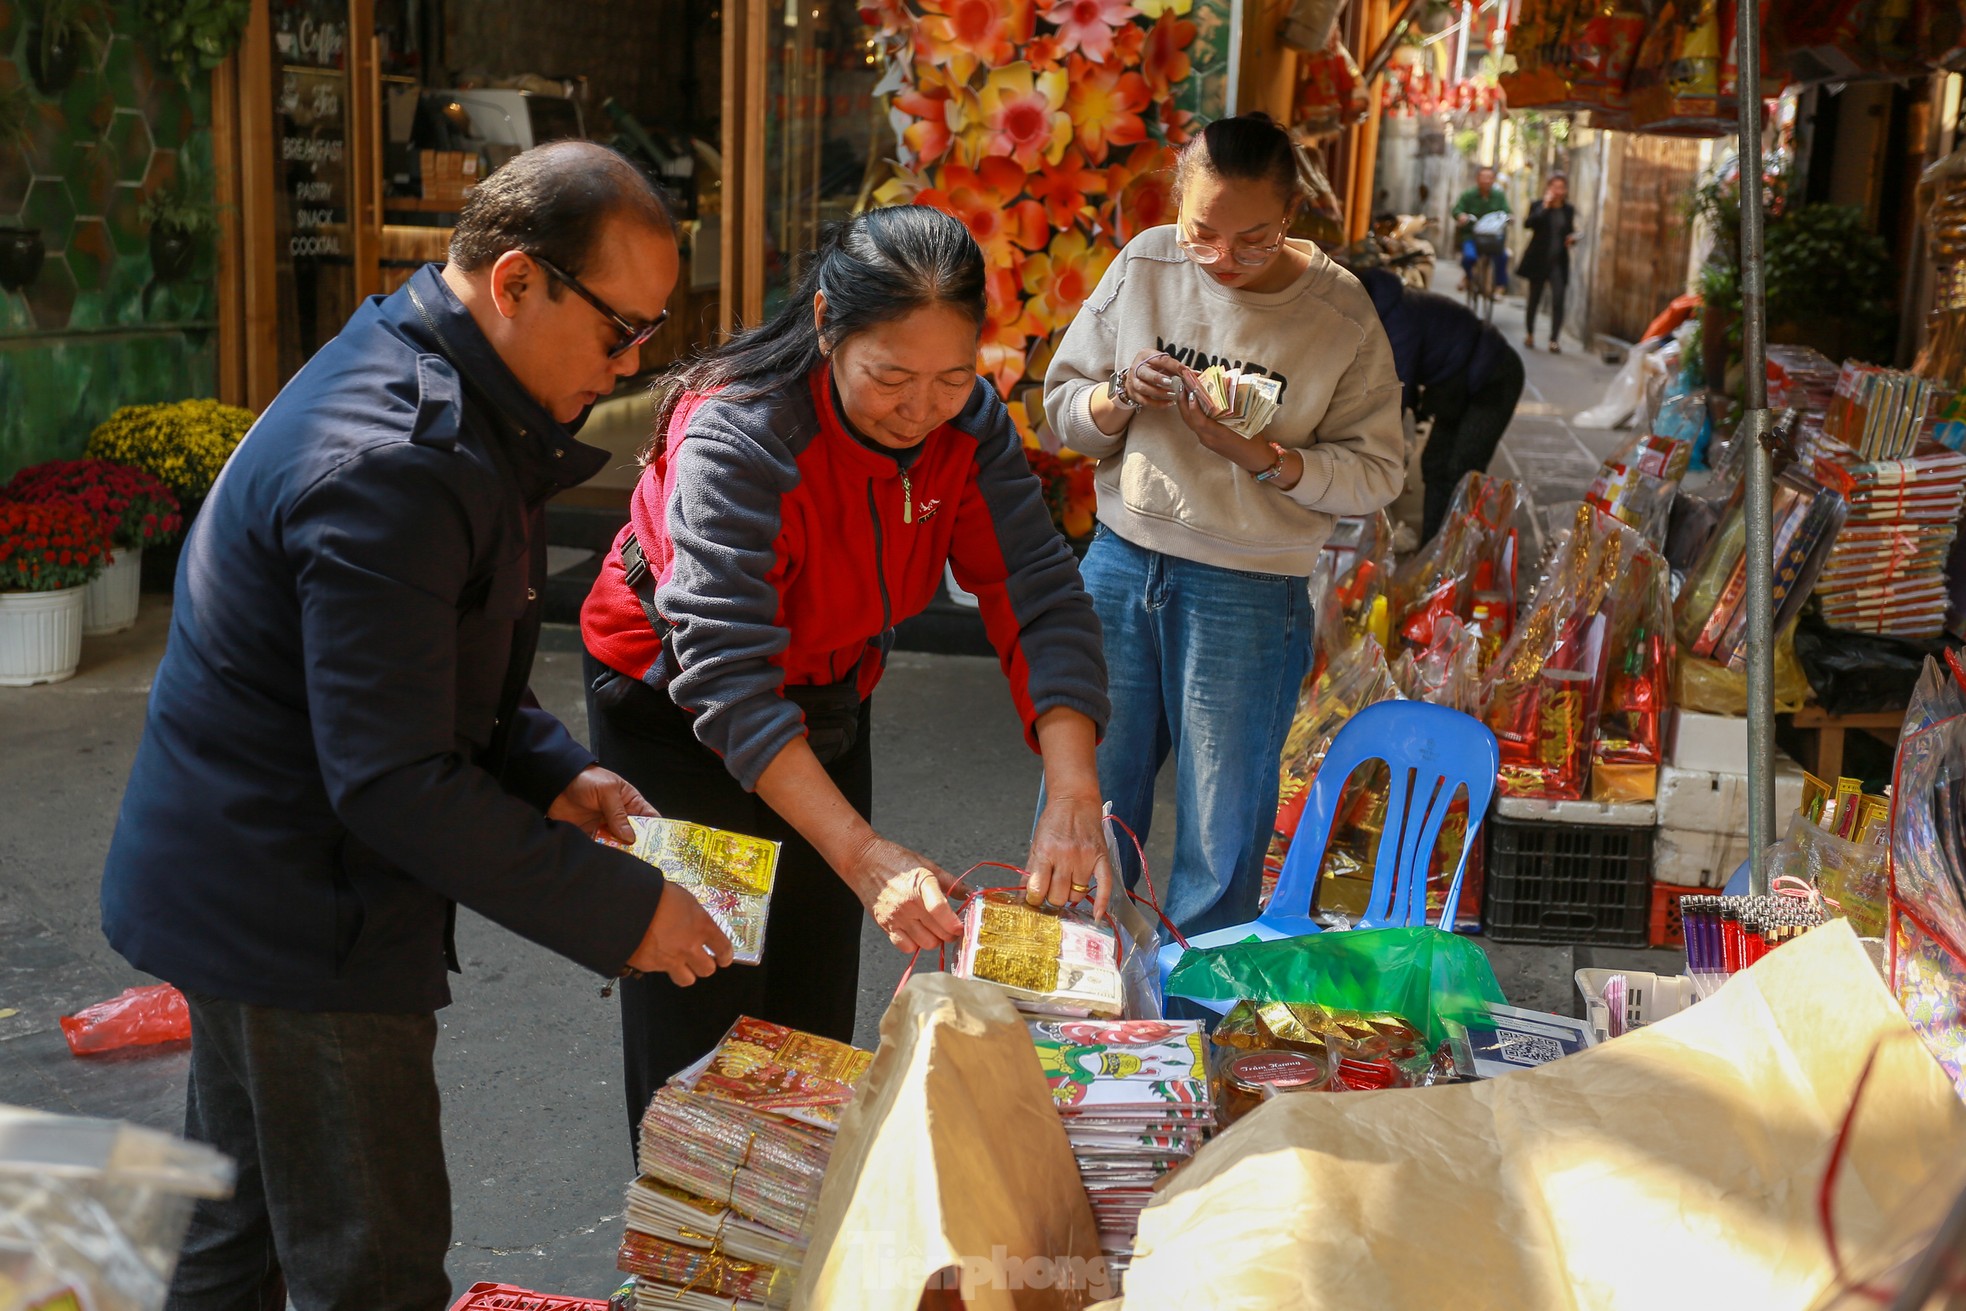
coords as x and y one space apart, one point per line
1760 470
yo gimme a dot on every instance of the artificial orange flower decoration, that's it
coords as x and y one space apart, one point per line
1023 114
1060 277
961 34
986 199
1065 188
1088 25
1105 104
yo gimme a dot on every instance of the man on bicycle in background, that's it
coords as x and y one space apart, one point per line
1484 197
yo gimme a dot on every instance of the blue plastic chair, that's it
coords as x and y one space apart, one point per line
1431 752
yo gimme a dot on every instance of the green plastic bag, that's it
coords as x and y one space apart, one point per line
1421 974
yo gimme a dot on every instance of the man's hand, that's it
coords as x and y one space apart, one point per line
600 798
682 940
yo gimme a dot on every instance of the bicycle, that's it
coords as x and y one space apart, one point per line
1490 238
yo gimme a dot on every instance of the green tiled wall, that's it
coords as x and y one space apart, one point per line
95 329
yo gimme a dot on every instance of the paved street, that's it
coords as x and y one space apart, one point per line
536 1134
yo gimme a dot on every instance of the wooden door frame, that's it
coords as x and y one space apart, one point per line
745 75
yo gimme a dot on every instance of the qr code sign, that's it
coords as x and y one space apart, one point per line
1528 1048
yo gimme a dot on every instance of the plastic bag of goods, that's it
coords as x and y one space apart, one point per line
1468 570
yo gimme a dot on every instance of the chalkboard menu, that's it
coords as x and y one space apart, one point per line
314 166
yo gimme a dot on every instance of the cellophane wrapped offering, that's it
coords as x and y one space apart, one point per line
1711 610
1544 690
1135 1100
1356 678
729 873
732 1153
1356 1051
1637 485
1352 571
1447 672
1638 680
1467 571
1051 960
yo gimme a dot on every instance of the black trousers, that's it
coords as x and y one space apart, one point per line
1467 427
810 976
1558 282
342 1201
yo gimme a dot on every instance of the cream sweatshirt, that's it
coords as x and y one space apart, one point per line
1157 485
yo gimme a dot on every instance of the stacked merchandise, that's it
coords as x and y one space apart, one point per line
1637 484
1886 573
1703 822
733 1150
1583 681
1880 413
1134 1097
1051 961
1725 935
1711 609
1801 378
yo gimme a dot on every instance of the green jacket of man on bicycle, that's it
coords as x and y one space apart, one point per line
1484 197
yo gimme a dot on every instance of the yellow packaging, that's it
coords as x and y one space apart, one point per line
1815 793
1848 792
1624 782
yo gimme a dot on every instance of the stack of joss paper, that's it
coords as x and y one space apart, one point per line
1052 961
1242 402
728 873
1593 648
1886 572
733 1150
1134 1097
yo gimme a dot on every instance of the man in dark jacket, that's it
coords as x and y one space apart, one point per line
1457 370
340 744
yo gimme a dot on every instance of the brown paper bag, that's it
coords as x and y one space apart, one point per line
1678 1166
952 1164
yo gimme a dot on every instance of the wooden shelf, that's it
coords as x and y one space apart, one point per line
420 205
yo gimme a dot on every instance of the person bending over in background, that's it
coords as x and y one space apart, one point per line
1456 370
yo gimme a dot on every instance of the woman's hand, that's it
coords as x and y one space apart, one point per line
1068 855
907 895
1155 379
1248 453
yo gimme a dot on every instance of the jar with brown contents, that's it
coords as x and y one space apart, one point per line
1249 1079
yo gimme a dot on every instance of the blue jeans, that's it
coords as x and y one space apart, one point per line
1204 663
1501 258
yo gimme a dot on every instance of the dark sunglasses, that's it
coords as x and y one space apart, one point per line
631 336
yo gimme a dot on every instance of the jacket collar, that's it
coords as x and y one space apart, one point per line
542 449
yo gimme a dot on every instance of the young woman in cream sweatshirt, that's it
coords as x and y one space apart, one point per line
1206 537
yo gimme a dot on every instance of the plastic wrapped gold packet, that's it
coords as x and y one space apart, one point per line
731 874
1050 961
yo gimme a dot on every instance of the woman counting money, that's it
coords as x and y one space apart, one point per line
1206 531
808 483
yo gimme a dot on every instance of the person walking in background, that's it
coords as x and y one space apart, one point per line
1455 369
1205 535
1552 225
1484 197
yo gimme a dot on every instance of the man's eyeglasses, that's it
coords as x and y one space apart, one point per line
631 336
1206 254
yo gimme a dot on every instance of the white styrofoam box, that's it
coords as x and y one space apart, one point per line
1696 860
1611 814
1708 801
1715 742
1648 997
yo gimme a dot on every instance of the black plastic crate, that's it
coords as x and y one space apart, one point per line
1550 882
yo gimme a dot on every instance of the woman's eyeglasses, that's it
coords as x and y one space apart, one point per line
631 336
1207 253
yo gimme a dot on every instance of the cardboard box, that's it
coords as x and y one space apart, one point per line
1712 742
1709 801
1696 860
1631 814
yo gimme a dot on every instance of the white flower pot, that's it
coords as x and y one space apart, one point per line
112 595
40 635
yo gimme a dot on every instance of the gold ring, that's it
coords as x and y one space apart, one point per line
1081 887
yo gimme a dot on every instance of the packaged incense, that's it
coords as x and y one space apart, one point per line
1848 790
1815 793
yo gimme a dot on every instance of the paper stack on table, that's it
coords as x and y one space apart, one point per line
1244 402
1135 1100
733 1150
729 873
